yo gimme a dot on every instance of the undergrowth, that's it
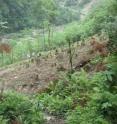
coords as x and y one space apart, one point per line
16 108
83 98
80 97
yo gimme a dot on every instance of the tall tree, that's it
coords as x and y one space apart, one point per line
14 12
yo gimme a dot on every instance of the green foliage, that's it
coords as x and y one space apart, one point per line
102 107
14 12
55 104
25 45
102 18
71 91
109 106
86 115
23 14
96 60
83 2
109 97
83 98
19 108
3 26
43 10
2 121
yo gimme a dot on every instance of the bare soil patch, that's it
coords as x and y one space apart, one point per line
31 76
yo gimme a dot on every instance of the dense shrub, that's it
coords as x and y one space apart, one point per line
102 18
71 91
54 104
83 98
87 115
16 107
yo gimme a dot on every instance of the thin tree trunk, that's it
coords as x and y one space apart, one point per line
52 33
44 48
49 34
2 59
70 56
12 56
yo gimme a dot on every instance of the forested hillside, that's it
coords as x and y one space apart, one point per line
17 15
58 61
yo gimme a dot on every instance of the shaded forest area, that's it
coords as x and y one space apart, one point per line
22 14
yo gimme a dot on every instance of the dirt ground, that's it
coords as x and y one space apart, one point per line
33 75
